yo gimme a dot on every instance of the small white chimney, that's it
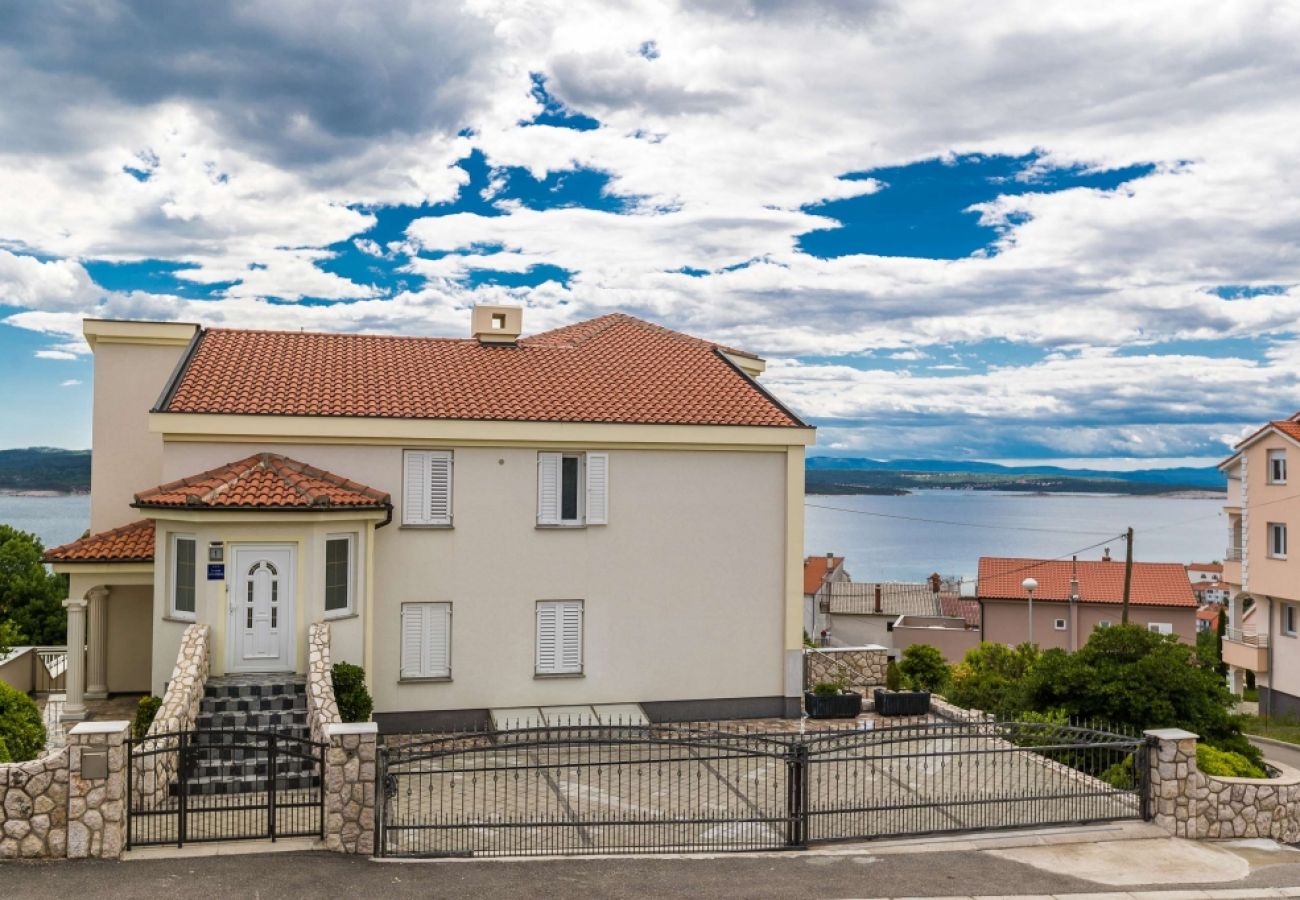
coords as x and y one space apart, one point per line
497 324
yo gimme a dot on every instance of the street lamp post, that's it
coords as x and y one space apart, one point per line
1030 585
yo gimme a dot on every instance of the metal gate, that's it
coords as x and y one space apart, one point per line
599 790
223 785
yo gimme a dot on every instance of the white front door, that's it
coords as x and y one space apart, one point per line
261 608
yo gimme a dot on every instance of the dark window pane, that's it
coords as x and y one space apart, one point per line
569 488
336 574
183 590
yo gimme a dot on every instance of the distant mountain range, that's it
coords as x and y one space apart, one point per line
860 475
45 469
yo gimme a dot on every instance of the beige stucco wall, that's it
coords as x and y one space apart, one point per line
306 535
17 670
1274 577
129 638
685 588
859 631
941 632
1007 621
127 456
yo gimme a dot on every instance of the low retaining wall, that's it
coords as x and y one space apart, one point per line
1188 803
154 773
862 667
322 708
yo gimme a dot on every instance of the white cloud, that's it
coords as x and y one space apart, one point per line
71 382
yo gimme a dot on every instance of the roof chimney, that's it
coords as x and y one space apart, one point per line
1105 555
497 324
935 583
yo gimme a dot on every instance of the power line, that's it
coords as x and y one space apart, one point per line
880 515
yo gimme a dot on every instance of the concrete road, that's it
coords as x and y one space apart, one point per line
804 875
1288 754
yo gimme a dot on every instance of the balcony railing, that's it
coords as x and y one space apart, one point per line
1246 636
1232 554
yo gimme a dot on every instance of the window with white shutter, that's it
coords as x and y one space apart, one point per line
559 637
426 640
426 487
572 489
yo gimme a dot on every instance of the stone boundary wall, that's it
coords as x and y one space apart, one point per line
350 787
154 772
1188 803
322 709
34 807
49 811
863 667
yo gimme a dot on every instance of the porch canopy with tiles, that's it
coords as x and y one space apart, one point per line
247 547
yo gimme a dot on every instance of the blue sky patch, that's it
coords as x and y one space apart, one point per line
921 209
154 276
1246 291
533 276
554 112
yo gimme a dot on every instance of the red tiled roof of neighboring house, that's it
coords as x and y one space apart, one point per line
130 543
956 606
1154 584
264 481
1206 567
815 570
1289 427
613 369
1208 613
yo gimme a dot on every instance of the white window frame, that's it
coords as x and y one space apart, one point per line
1288 612
1060 624
557 667
592 488
420 468
172 611
1277 466
1276 530
1161 627
351 608
423 669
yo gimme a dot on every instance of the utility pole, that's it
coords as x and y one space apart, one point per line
1128 575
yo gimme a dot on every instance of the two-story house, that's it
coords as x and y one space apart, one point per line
1263 509
606 513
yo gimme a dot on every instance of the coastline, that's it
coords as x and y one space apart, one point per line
14 492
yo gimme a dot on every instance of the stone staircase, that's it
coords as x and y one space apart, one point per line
237 718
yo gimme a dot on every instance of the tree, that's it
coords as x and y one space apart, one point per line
991 677
30 597
924 668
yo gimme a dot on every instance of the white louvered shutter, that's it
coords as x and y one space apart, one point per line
439 473
570 637
415 488
437 657
413 631
597 488
548 488
547 638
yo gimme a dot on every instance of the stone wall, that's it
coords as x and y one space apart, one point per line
1188 803
350 787
322 709
862 667
154 772
34 807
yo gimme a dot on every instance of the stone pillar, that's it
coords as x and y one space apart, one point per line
350 787
1174 783
97 644
97 805
74 707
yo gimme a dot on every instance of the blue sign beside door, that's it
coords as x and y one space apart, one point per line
216 571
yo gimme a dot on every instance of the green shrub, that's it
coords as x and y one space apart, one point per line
4 752
992 677
829 688
355 704
21 728
893 677
1122 775
1213 761
144 716
924 668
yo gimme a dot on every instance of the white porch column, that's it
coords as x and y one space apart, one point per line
97 647
74 707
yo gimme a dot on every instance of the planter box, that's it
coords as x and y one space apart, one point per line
833 706
902 703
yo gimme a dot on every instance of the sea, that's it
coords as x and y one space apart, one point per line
901 538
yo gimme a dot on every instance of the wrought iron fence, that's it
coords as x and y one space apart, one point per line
223 785
603 790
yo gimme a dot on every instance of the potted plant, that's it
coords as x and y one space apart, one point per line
832 700
906 691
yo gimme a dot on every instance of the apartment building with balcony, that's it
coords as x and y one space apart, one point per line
1263 509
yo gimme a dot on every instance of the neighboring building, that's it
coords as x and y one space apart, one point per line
1263 509
606 513
1204 572
1207 582
860 614
1075 597
819 572
1207 617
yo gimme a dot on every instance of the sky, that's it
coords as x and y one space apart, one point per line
1021 231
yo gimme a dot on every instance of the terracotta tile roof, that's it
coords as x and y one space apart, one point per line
1206 567
615 368
130 543
956 606
1154 584
815 570
264 481
1289 427
1208 613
